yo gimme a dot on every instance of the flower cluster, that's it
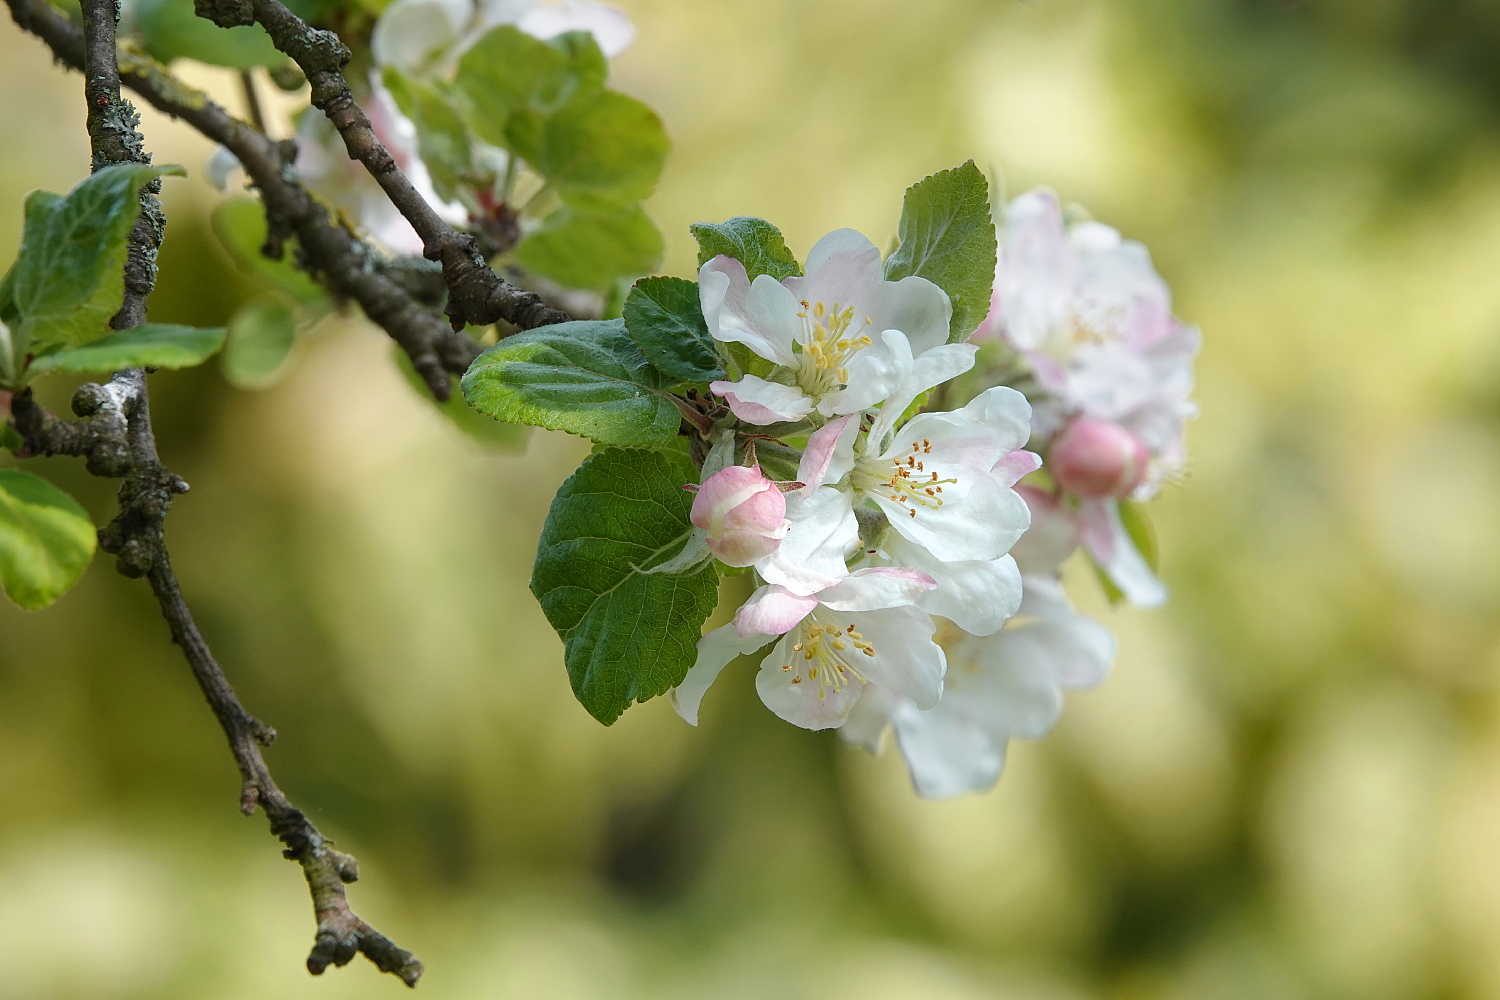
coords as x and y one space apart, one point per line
906 580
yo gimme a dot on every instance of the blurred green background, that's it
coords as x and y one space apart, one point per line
1290 787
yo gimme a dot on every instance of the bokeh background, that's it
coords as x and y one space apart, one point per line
1290 787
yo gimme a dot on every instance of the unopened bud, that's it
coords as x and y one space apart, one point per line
1097 458
743 514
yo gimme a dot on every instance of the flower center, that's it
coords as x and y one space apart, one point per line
903 479
827 346
824 654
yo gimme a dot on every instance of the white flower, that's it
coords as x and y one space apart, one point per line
833 645
998 687
843 338
935 479
428 36
1094 320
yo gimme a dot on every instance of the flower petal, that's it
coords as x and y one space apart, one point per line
932 368
947 755
823 531
829 453
870 720
772 610
761 314
874 373
756 401
977 595
906 660
981 523
805 703
1054 534
410 32
842 267
609 25
1109 545
916 307
877 587
715 651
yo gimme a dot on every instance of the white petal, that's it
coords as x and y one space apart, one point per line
410 32
806 703
221 164
1034 283
839 242
1109 545
870 720
1015 691
759 315
877 587
842 267
916 307
906 659
609 25
757 401
823 531
932 368
976 595
947 755
981 523
715 651
772 611
874 373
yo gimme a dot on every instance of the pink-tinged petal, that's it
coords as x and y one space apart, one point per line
877 587
716 650
763 318
977 595
839 243
932 368
723 491
842 267
1012 468
772 610
745 548
1055 533
1098 458
756 401
1035 279
1109 545
991 328
817 465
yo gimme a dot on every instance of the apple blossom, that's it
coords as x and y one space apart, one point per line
1097 458
833 645
743 514
842 337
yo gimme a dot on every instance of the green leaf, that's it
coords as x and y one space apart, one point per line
602 149
627 635
10 438
442 136
587 378
508 71
585 250
240 225
70 277
170 30
482 429
150 345
948 237
46 539
753 242
665 319
261 335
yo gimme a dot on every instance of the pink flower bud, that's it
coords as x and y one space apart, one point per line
744 514
1097 458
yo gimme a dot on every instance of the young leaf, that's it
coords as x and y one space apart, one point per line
583 250
478 427
70 277
507 71
948 237
261 335
240 225
171 30
627 635
664 318
602 149
150 345
753 242
586 377
46 539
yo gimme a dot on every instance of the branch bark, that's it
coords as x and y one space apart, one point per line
476 294
116 439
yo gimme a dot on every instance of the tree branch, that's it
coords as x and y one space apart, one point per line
117 441
476 294
332 254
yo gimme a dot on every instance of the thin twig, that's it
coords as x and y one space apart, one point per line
117 440
476 294
252 100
